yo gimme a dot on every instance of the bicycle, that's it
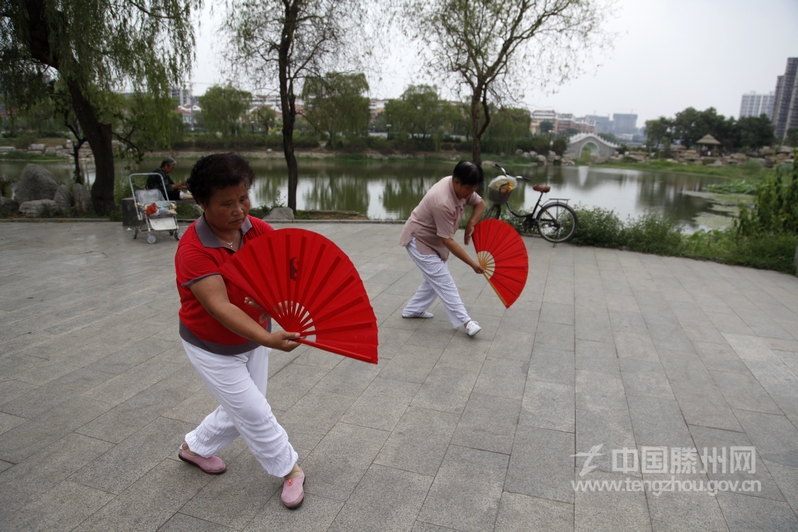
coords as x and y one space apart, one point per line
555 220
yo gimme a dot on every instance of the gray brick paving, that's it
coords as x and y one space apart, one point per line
605 348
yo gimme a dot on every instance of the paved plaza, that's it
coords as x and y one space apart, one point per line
666 386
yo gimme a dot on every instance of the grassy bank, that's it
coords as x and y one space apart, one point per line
750 170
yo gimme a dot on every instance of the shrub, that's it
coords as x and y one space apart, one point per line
752 166
598 227
775 208
654 233
775 252
25 139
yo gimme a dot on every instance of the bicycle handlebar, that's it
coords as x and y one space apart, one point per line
505 173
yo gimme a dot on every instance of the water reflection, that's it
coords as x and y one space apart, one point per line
400 197
391 190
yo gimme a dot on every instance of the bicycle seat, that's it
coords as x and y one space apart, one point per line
541 188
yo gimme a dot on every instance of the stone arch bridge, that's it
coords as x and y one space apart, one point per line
598 147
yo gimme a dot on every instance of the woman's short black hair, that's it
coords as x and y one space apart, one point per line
214 172
468 173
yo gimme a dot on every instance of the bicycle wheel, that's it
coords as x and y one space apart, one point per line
557 222
494 211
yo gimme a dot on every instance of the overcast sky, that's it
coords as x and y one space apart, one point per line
669 55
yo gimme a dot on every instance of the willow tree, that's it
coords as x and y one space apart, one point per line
281 43
95 46
336 104
493 49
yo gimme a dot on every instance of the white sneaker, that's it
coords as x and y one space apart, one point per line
472 328
423 315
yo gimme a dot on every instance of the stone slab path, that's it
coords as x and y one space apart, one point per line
621 392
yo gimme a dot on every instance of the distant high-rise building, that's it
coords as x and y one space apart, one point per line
624 124
785 105
603 123
754 104
182 94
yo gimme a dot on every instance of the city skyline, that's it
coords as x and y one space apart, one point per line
668 55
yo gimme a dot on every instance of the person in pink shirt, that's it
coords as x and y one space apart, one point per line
428 236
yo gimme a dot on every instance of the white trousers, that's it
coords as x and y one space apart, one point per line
239 384
438 283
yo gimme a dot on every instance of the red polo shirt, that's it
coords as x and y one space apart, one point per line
200 254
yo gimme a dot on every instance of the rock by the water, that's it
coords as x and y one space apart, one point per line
37 208
280 213
63 198
35 183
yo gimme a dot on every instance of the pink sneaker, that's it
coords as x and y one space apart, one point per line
213 465
293 492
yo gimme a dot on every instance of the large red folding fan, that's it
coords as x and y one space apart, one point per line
502 254
308 285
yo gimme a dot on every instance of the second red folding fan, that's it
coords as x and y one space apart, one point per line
502 254
308 285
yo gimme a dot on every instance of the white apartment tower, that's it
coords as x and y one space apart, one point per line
754 104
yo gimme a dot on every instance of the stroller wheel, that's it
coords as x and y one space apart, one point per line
177 235
151 239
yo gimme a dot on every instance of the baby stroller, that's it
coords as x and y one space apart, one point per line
153 211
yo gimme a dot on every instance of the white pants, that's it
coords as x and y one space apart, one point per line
438 283
239 384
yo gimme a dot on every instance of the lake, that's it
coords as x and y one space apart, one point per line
389 190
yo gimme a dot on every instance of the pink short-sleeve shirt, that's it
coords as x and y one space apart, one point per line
436 217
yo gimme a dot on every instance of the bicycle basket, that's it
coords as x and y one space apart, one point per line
501 195
499 188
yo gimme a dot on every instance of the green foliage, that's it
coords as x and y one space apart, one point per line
480 45
546 126
335 104
245 142
265 117
25 139
186 211
754 132
419 114
774 252
223 108
659 132
507 127
99 45
144 123
599 227
653 233
791 138
688 126
752 166
649 233
775 208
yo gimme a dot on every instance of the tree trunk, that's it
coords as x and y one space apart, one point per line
290 157
98 134
288 98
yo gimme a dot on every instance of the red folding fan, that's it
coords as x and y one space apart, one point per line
308 285
502 254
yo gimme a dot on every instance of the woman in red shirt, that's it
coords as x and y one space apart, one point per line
226 338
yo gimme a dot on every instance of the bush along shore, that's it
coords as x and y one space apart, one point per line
764 236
